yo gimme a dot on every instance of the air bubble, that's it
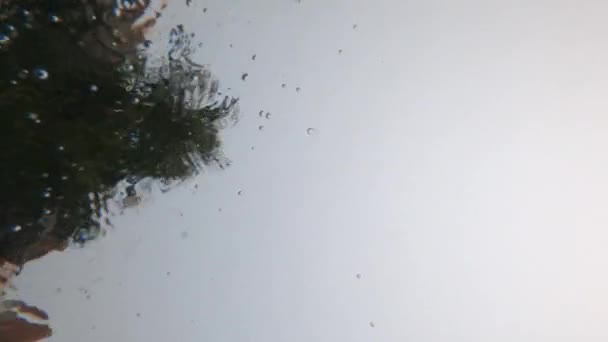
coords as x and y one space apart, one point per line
33 116
41 74
244 76
23 74
54 18
311 131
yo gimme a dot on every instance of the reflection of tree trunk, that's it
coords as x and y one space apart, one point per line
116 37
7 270
16 329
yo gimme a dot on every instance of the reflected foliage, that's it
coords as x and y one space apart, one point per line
82 109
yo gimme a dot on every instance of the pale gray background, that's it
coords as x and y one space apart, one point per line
459 166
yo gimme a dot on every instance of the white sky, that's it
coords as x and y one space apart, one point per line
459 166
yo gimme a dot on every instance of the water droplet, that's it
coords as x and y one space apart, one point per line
340 51
135 100
23 74
261 113
311 131
354 26
240 192
268 115
33 116
283 85
254 57
4 39
358 275
260 127
15 228
93 88
46 194
47 212
244 76
82 236
94 17
41 74
45 175
14 82
298 89
64 178
54 18
61 148
372 324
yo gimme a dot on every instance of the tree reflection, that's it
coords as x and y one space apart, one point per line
83 108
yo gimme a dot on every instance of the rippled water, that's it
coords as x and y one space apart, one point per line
302 170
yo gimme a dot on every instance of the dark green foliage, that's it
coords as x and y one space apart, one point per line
77 116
